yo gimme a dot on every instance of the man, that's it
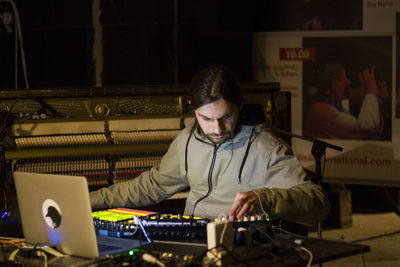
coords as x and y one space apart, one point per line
326 118
230 167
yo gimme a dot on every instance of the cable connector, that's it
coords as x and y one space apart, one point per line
151 259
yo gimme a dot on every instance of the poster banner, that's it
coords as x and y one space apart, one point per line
343 86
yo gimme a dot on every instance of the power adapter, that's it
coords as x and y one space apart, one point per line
219 240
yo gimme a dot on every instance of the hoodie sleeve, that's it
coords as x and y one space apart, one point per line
290 194
150 187
305 204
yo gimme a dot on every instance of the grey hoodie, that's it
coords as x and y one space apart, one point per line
254 160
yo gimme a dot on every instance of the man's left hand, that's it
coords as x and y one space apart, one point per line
244 205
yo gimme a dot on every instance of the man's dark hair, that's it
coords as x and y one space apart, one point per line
212 83
327 73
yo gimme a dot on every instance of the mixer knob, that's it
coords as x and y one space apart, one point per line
193 235
167 234
187 235
172 234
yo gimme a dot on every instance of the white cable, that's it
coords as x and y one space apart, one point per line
221 217
40 253
13 254
137 221
18 35
52 251
310 259
261 204
151 259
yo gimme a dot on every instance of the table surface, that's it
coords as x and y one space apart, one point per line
285 255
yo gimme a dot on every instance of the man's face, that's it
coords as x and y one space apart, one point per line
218 120
339 85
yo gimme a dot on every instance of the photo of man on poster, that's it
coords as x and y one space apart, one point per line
347 95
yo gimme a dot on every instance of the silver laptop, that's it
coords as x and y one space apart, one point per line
55 210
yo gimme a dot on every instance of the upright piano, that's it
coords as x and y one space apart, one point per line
108 135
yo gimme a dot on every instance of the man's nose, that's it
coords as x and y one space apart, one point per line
218 127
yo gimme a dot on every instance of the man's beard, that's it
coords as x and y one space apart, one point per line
219 138
224 136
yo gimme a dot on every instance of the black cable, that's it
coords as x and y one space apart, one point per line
375 237
4 125
393 203
6 142
280 229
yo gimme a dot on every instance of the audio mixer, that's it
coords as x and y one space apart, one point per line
158 226
121 223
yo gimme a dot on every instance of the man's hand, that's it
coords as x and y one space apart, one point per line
243 205
367 80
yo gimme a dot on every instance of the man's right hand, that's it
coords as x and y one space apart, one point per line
368 81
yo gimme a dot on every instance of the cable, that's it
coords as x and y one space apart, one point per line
3 131
18 36
392 201
221 217
40 253
280 229
261 204
151 259
137 221
12 241
375 237
13 254
5 213
4 125
310 259
218 255
323 168
363 259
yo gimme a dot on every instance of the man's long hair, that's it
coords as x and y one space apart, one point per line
212 83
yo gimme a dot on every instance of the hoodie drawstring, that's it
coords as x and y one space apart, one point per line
186 154
245 157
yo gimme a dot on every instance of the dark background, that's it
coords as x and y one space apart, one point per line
152 41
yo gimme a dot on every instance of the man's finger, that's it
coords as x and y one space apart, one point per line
243 210
235 207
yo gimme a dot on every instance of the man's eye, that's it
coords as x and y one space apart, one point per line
227 116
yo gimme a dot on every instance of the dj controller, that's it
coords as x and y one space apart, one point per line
132 223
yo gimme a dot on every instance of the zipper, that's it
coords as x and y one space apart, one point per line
209 178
